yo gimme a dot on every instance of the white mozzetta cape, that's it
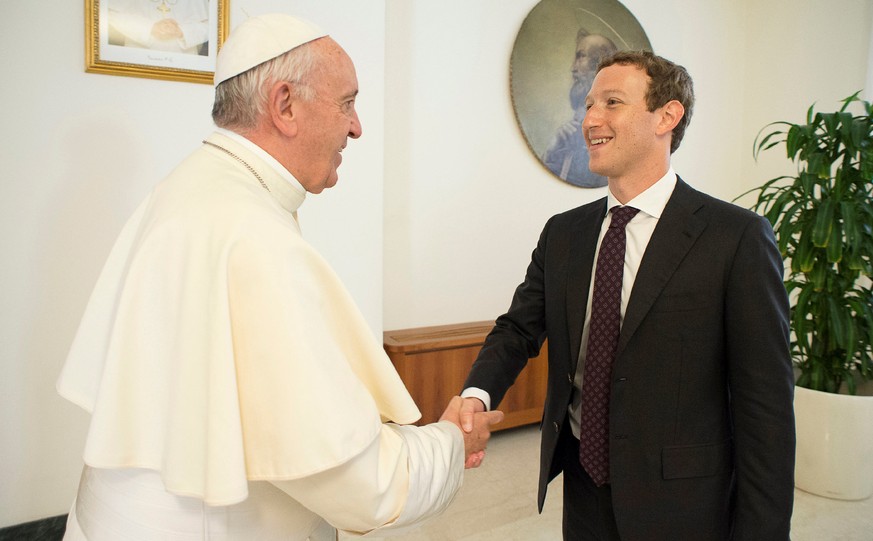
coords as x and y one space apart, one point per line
218 347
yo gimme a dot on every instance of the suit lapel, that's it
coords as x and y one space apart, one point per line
582 245
676 232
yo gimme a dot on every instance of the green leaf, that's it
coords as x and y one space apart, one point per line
810 113
838 320
819 274
817 378
859 132
845 125
792 141
776 208
818 166
853 261
808 181
762 145
801 324
835 244
824 221
850 224
848 101
757 146
805 253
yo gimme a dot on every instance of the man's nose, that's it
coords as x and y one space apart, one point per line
355 130
592 118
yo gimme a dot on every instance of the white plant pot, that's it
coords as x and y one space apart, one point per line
834 444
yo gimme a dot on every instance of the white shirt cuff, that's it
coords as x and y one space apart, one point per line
475 392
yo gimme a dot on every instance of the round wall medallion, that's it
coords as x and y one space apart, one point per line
553 63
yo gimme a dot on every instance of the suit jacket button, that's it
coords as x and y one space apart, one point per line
570 378
555 424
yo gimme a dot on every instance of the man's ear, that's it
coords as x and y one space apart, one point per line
282 107
671 113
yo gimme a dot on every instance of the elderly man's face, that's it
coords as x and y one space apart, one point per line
328 120
587 54
590 50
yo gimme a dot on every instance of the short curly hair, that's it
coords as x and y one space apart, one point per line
668 81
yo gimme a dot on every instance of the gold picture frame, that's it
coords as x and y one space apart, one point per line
132 39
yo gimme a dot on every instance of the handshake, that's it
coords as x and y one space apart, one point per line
475 423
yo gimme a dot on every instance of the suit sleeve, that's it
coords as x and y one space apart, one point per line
518 334
761 387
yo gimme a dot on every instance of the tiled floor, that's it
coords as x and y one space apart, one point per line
498 503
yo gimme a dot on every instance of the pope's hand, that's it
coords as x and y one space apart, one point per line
167 29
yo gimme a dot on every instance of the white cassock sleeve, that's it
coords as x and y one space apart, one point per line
406 475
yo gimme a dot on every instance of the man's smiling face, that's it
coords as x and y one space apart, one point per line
619 129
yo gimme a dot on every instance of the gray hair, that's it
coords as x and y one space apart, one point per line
241 101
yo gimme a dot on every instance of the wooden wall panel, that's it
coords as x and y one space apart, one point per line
433 362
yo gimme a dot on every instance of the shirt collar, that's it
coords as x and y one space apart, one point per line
653 199
264 155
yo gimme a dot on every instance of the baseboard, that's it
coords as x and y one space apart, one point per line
46 529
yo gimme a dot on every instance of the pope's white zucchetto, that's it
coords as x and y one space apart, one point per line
260 39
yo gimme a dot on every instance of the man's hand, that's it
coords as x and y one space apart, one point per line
469 409
479 422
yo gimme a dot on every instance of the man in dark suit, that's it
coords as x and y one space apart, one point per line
698 428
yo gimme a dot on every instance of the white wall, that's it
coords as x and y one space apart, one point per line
812 51
77 153
464 199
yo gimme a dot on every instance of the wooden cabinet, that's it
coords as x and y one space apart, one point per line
433 362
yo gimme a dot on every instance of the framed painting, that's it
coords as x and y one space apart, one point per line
553 63
159 39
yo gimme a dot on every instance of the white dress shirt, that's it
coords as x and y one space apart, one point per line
638 231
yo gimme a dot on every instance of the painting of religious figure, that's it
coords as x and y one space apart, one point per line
552 66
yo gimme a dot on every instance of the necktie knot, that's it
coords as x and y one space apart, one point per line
621 216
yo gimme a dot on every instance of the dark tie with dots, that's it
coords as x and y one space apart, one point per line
603 330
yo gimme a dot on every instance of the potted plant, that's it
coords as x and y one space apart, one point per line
823 221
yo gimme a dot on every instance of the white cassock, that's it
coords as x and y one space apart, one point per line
134 19
236 391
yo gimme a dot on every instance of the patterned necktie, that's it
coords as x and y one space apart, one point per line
603 332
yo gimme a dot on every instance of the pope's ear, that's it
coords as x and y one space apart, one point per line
282 108
671 113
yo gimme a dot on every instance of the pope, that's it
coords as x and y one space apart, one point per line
235 390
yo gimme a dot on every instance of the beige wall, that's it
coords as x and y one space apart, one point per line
441 162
